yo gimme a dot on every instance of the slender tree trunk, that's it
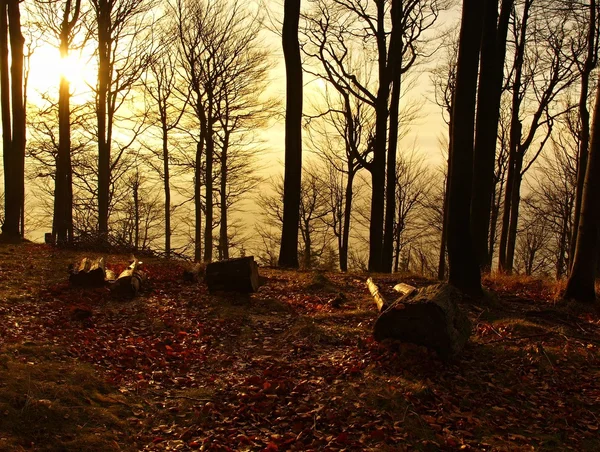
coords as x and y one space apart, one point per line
136 213
223 239
63 192
288 252
396 79
346 225
443 242
307 247
494 218
208 182
493 51
378 163
515 143
104 48
15 197
198 199
581 284
167 188
584 122
9 196
514 213
464 271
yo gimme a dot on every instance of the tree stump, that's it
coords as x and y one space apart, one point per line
129 282
194 273
88 273
232 275
430 317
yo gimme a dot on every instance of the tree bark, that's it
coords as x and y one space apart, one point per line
464 270
198 199
7 153
288 252
104 51
167 189
493 51
396 50
223 238
208 183
584 122
237 275
581 284
444 236
346 225
376 225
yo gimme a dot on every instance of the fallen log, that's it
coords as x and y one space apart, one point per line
404 289
129 282
88 273
377 297
194 273
430 317
232 275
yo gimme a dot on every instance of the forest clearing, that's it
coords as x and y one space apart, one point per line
290 367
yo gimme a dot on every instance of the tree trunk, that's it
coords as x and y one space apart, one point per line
584 122
514 213
223 238
198 199
104 48
208 182
136 213
129 282
493 51
346 226
443 242
6 119
63 192
376 225
464 270
288 252
167 188
396 45
581 284
15 190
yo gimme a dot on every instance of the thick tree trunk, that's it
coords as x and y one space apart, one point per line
104 49
15 190
581 284
395 66
236 275
493 51
288 252
464 271
379 152
584 123
63 192
7 153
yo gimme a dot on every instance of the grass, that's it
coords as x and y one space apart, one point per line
50 402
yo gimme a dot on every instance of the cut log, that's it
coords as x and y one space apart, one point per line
88 273
194 273
233 275
430 317
404 289
110 276
377 297
130 281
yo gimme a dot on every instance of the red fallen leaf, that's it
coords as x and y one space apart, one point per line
266 385
271 447
377 434
254 380
157 440
342 437
194 444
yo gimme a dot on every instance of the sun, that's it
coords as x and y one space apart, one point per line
47 68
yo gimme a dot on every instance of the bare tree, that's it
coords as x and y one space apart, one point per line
288 252
121 32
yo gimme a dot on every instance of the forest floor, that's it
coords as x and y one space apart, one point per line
286 368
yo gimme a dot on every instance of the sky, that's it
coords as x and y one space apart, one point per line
424 136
